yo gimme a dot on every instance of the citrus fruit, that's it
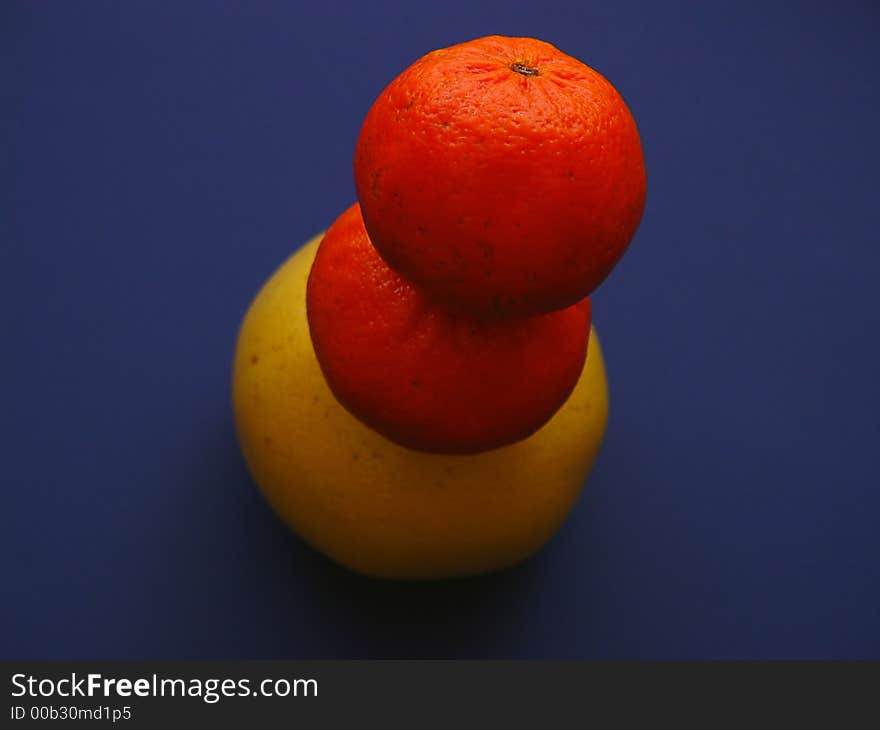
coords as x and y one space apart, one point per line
425 376
501 175
377 507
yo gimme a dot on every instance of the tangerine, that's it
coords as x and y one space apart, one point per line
501 175
425 376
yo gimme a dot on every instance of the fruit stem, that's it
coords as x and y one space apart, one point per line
521 68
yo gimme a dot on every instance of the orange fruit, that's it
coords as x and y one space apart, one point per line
425 376
501 175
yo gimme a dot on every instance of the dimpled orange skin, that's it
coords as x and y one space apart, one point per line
502 175
426 377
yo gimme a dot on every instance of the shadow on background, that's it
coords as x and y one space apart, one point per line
297 603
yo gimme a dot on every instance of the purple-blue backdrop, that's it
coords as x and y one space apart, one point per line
158 160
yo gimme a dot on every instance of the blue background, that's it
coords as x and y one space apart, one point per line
160 159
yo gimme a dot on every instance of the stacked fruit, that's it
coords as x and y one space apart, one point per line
499 182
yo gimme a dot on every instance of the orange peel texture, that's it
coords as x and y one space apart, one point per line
425 376
501 175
